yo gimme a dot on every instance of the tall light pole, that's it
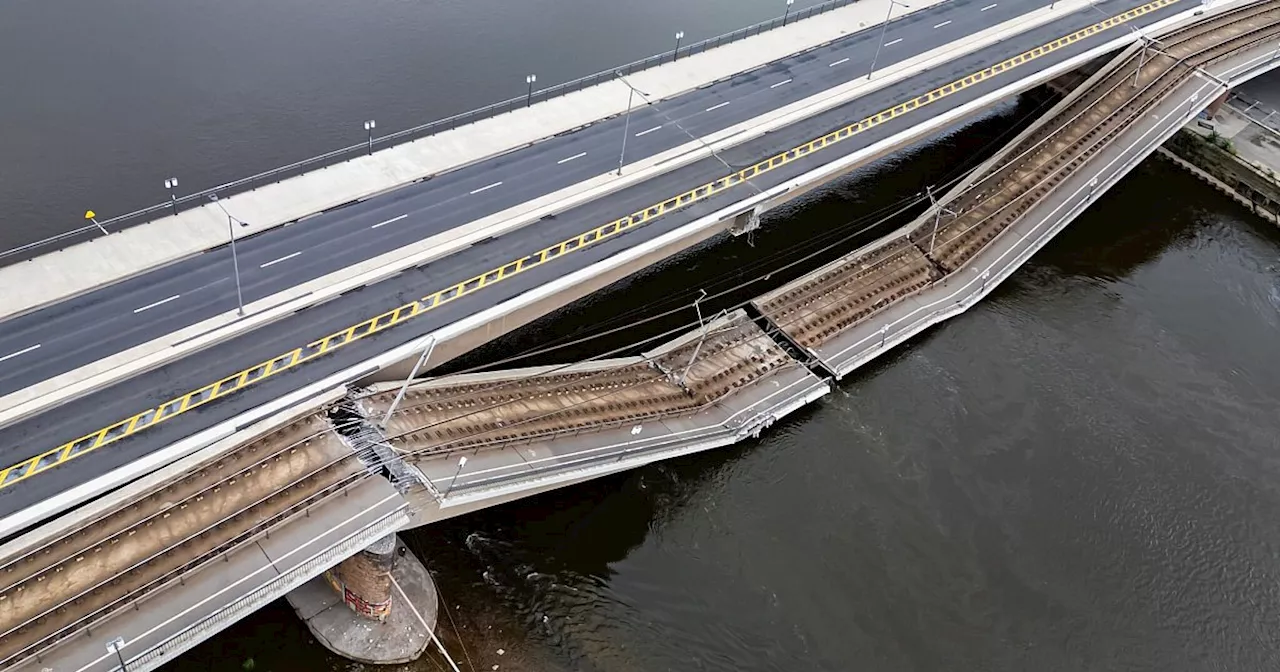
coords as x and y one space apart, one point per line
171 184
462 462
235 260
530 80
626 125
676 54
788 12
369 126
426 354
884 27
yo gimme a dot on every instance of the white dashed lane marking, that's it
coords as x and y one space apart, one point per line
20 352
161 302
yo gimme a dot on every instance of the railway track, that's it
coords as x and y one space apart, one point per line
1084 129
851 290
81 578
474 410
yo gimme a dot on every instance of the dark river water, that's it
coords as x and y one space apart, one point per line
1081 473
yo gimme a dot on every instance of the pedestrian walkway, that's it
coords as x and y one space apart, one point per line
105 260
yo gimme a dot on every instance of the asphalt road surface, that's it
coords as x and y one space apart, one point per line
108 405
60 338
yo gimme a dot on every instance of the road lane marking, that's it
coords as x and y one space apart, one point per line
486 188
785 81
843 60
575 156
648 131
389 221
944 23
990 6
20 352
716 107
286 257
890 44
51 458
161 302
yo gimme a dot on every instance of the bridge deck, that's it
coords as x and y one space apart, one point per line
861 305
706 388
81 579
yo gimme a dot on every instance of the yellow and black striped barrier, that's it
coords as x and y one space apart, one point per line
298 356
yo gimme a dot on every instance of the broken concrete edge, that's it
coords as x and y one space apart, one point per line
69 386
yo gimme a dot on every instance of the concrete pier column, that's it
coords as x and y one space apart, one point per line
363 581
390 610
1217 104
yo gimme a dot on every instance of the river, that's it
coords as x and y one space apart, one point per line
1082 472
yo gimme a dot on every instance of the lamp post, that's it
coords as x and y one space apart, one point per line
369 126
114 646
676 54
426 354
462 462
788 12
626 124
884 27
235 259
171 184
530 80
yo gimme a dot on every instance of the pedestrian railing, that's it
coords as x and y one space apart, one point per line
353 151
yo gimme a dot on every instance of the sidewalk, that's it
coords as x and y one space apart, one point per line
85 266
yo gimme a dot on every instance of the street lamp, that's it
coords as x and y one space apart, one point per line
884 27
171 184
426 354
788 12
626 125
114 646
676 53
235 260
530 80
369 126
462 462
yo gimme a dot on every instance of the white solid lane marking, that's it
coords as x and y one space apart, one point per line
389 221
785 81
286 257
20 352
990 6
890 44
648 131
716 107
843 60
944 23
575 156
161 302
486 187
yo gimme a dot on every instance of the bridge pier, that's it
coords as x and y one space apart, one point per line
378 606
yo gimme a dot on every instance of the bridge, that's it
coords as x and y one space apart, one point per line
257 480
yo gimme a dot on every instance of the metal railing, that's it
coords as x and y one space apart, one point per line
406 135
